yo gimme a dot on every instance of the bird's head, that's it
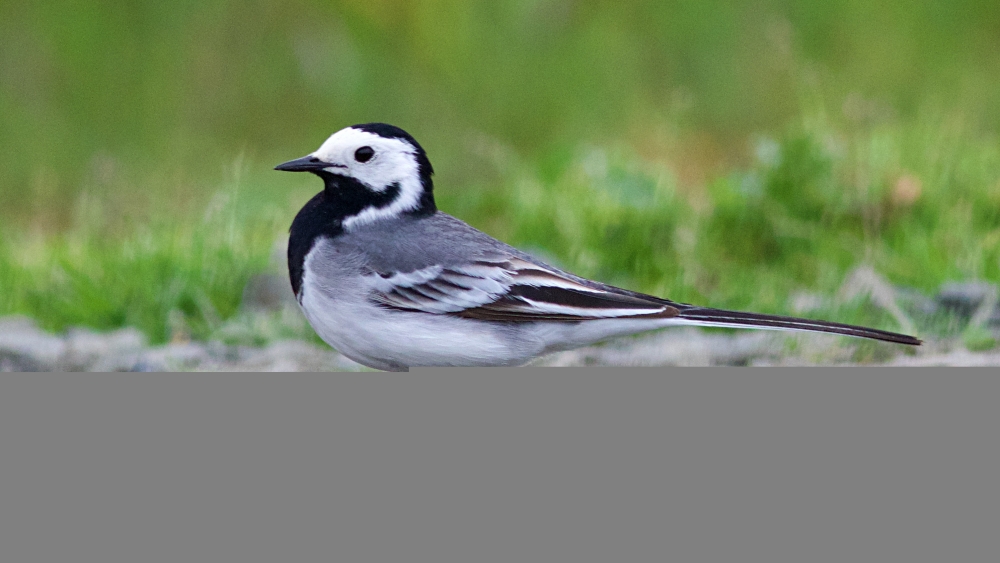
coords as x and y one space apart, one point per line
376 170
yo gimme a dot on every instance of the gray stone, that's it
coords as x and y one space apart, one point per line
965 298
14 362
976 301
85 348
285 355
25 347
177 356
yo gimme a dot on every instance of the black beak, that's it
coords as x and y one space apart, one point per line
305 164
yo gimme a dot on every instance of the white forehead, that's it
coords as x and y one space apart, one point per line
340 147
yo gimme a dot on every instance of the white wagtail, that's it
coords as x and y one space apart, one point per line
391 282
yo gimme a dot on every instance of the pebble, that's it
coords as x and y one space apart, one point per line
976 301
25 347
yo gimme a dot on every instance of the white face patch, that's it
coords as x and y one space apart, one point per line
394 162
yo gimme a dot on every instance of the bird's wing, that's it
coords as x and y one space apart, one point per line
508 288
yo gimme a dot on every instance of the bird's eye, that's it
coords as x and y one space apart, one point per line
364 154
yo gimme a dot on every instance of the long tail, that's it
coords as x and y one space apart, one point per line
737 319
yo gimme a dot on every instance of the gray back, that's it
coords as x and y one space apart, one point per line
407 244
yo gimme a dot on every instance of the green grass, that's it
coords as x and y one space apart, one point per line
920 205
168 279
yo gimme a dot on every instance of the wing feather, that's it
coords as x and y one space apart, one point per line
509 289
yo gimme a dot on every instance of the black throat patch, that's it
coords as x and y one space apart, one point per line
325 213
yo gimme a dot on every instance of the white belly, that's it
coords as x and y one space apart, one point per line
392 340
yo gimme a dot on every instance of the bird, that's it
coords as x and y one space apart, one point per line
391 282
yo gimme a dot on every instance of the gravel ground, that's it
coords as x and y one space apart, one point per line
24 347
270 314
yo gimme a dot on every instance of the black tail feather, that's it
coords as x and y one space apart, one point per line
718 317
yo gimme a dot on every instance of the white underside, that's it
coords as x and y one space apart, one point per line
391 340
386 339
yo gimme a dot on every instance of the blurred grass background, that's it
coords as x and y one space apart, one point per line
722 153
